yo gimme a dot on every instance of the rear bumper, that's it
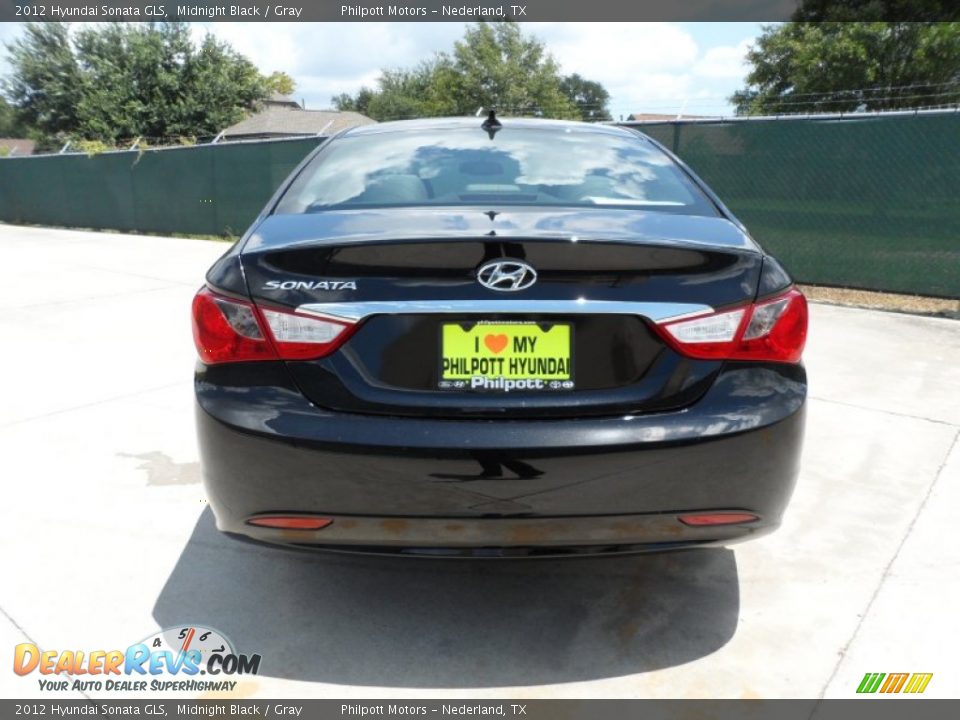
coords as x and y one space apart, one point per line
506 537
498 487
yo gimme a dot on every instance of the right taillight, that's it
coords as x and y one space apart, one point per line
773 330
226 329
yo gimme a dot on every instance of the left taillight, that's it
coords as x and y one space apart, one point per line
771 330
226 329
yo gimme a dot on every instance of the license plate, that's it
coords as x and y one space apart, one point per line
506 356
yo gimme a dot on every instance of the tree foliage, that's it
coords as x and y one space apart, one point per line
118 81
9 127
493 65
589 96
421 91
876 10
847 66
280 83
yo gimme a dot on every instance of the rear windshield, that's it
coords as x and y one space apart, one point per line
519 166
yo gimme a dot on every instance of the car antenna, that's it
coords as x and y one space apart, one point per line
491 124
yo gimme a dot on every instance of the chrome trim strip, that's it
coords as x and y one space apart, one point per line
355 311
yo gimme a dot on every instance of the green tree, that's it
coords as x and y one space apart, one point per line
876 10
589 96
45 79
845 66
9 127
358 103
118 81
494 65
425 90
280 83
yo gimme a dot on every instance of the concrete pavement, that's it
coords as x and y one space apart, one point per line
107 538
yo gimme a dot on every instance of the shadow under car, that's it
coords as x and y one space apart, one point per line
416 622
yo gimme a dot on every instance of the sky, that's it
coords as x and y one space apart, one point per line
647 67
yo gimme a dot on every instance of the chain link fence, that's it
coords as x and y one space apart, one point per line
862 201
200 190
869 202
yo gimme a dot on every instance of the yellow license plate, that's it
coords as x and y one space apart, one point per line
506 356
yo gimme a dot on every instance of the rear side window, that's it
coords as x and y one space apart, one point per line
518 166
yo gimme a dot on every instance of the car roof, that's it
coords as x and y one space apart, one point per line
451 123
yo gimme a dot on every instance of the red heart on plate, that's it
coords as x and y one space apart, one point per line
495 343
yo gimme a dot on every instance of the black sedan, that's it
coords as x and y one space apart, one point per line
498 338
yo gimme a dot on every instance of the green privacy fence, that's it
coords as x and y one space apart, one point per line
871 202
868 202
204 189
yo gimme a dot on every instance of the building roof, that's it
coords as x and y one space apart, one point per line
282 121
278 99
16 146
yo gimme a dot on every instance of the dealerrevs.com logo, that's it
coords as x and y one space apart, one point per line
186 658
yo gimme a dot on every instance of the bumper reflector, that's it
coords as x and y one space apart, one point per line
290 522
716 518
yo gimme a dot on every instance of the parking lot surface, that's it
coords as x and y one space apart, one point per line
106 534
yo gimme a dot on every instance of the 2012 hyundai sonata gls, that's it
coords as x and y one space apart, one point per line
504 338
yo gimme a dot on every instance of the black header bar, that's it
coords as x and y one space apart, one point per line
470 10
465 10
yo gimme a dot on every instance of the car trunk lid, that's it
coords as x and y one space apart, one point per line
421 310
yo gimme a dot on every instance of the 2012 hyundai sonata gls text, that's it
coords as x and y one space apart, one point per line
511 337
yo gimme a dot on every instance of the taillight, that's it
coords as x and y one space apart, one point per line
227 330
230 330
299 337
772 330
